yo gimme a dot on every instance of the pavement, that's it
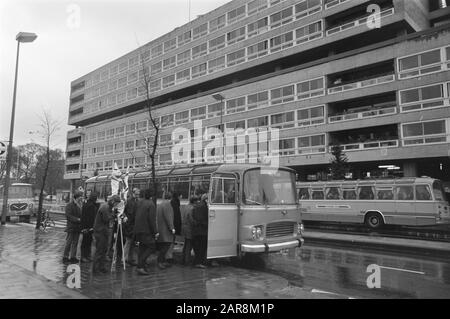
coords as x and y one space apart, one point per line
31 267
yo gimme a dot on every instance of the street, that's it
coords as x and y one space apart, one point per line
317 270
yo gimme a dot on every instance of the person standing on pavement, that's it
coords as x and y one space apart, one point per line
102 225
200 232
186 230
128 227
88 214
145 230
166 230
175 203
73 229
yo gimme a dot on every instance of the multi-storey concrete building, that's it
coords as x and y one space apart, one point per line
373 76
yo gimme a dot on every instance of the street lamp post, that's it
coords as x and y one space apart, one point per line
220 98
21 37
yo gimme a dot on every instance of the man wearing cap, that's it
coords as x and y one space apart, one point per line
103 220
73 229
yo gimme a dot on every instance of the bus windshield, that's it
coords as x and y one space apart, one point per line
271 187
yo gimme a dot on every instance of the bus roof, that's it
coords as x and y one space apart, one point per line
396 181
199 169
19 184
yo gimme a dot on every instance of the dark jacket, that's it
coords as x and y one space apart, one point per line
145 219
165 222
130 212
103 219
88 213
200 219
187 221
73 215
175 202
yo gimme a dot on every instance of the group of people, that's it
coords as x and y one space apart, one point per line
153 229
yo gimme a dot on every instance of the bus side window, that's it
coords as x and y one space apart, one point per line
230 191
405 193
349 194
303 193
333 193
217 195
366 193
385 194
423 192
317 194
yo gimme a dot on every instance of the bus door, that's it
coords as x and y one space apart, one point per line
223 216
405 207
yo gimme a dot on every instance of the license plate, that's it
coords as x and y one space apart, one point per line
14 218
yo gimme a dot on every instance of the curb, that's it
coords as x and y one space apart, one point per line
384 241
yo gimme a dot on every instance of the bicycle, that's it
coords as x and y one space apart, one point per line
47 221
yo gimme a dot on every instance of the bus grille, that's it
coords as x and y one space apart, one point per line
280 229
18 206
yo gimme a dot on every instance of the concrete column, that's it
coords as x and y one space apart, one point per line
410 169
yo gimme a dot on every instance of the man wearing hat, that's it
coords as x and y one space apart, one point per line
103 221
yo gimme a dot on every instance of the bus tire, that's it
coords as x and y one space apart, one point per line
374 220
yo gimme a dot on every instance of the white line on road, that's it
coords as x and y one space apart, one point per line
405 270
317 291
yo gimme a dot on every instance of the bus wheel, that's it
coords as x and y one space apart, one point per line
374 220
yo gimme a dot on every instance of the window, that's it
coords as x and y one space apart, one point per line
132 77
113 85
424 133
167 120
122 82
145 56
123 66
170 45
109 149
118 148
168 81
131 129
257 27
257 50
236 35
281 42
423 192
282 120
258 122
133 61
236 14
405 192
349 193
114 70
157 51
145 71
311 144
311 116
303 193
217 43
385 193
112 99
223 190
165 159
198 113
410 100
287 147
128 162
311 88
140 144
282 95
317 194
215 109
199 50
183 57
184 38
256 100
169 63
100 150
104 75
110 134
307 7
129 146
217 23
121 97
256 6
103 89
216 64
183 76
96 79
182 117
280 18
366 193
200 31
236 57
419 64
155 85
165 139
132 93
236 105
309 32
332 193
156 68
120 131
199 70
235 125
141 126
139 161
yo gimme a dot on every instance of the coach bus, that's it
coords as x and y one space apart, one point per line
252 208
404 201
20 202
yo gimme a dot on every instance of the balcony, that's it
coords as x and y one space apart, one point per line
362 84
363 115
332 3
369 145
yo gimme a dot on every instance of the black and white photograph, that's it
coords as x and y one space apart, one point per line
225 155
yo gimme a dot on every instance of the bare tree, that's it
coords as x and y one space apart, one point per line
49 127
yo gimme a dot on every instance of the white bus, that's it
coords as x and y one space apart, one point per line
20 202
405 201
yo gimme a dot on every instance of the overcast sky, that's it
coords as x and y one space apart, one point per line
67 48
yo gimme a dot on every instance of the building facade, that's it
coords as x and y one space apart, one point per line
372 76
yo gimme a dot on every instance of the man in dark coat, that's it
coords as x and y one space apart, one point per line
175 203
145 230
73 229
103 222
166 231
88 213
128 226
200 232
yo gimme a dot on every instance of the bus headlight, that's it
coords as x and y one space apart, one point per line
300 228
257 232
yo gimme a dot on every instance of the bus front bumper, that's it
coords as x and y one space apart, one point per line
271 247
